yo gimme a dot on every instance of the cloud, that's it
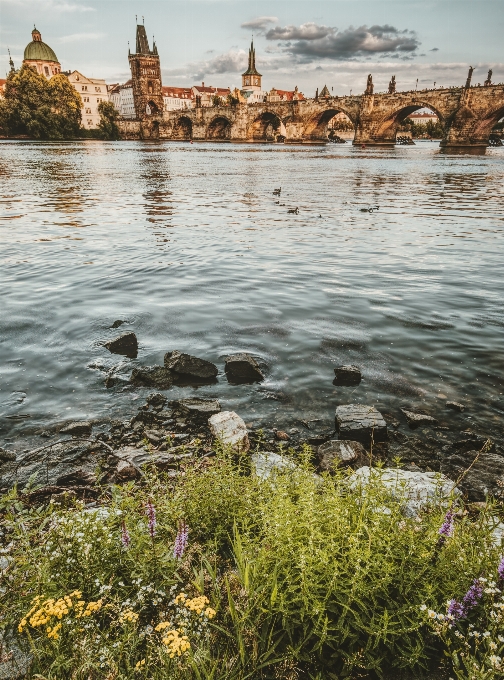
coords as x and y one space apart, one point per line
434 49
233 61
52 5
311 41
259 24
81 37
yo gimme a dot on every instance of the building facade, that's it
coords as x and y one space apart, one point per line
92 92
122 98
146 77
252 80
177 98
207 94
41 57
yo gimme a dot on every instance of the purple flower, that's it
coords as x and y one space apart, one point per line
473 595
181 540
456 609
151 514
446 529
125 537
500 569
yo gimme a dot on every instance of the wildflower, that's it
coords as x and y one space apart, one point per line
139 664
500 569
181 540
151 514
423 607
446 530
456 610
495 660
473 595
125 537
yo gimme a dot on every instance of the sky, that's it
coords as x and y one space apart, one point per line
308 43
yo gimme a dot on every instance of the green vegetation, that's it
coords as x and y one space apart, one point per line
217 574
108 128
39 108
431 129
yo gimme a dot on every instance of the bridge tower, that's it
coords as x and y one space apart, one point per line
146 77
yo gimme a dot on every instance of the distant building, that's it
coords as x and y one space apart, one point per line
251 81
41 57
423 117
146 77
122 98
177 98
92 92
207 94
275 95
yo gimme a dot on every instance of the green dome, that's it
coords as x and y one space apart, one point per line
39 51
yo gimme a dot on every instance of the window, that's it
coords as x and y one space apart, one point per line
84 88
46 69
90 123
88 110
97 89
85 99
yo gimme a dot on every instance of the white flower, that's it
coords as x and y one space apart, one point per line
486 633
423 607
432 614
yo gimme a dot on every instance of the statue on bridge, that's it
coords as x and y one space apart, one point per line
369 85
469 76
392 86
488 81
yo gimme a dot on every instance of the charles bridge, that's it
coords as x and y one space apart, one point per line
467 113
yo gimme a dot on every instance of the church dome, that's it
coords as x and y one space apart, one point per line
38 50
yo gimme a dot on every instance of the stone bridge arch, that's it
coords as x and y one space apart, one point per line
266 127
485 122
182 128
316 127
219 128
386 128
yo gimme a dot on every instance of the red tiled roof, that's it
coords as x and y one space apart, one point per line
213 90
289 94
2 82
180 92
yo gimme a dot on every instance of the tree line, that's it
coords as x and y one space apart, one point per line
38 108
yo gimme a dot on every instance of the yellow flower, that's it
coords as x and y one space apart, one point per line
128 615
209 612
177 644
180 598
139 664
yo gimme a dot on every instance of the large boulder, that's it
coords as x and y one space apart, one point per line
126 344
197 410
242 369
416 490
266 463
360 423
338 453
230 430
185 366
152 376
484 476
347 375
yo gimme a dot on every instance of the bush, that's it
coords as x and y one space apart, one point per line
295 576
107 126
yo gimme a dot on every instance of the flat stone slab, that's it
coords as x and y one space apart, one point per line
230 430
360 423
187 365
347 375
242 368
340 453
78 429
152 376
415 489
126 344
131 460
416 419
195 408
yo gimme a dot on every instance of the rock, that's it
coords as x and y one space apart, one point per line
117 323
187 366
340 453
156 400
417 419
154 436
15 658
266 463
485 477
455 406
110 381
242 369
126 344
196 409
230 430
282 436
126 471
78 429
152 376
360 423
132 460
415 489
347 375
6 456
472 443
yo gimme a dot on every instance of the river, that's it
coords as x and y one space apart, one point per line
187 244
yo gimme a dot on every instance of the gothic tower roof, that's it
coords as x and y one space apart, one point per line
251 71
325 92
142 42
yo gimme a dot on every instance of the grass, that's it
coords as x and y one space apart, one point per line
292 577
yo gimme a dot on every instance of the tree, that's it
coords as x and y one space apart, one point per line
217 101
39 108
108 121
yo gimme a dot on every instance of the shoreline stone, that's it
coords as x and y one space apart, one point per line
126 344
186 366
230 430
347 375
360 423
242 369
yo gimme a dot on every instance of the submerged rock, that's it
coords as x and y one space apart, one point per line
126 344
484 476
230 430
187 366
416 419
415 489
152 376
360 423
242 369
347 375
455 406
340 453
